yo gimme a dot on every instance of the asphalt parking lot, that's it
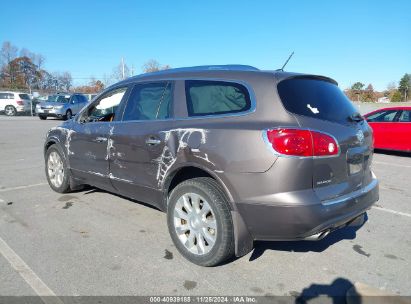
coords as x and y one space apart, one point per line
95 243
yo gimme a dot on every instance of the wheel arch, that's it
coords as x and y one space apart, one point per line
54 140
188 171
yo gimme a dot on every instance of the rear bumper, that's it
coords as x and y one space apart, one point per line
23 109
301 215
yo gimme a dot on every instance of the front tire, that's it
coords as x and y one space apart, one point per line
43 117
69 115
57 173
10 111
199 221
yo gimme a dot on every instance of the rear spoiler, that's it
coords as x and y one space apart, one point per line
316 77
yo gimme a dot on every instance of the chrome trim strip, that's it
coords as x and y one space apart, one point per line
253 105
352 195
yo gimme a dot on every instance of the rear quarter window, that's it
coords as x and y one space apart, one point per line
315 98
215 97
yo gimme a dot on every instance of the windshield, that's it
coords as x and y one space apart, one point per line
59 98
316 98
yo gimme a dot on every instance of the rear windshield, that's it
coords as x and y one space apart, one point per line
24 96
315 98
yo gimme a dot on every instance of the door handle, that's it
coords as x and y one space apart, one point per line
153 141
101 139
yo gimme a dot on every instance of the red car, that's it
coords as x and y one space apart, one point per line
392 128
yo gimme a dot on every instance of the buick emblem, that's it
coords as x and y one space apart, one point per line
360 136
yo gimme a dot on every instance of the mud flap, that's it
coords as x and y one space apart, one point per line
243 240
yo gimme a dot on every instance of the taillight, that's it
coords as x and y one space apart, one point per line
303 143
20 102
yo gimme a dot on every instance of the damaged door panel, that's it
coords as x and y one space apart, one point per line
88 147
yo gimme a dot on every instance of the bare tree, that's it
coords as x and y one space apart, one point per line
107 80
8 53
26 53
39 60
154 66
117 73
151 66
65 81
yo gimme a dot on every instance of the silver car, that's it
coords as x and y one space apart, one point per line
63 106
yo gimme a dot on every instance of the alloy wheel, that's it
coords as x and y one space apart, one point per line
55 169
195 223
10 111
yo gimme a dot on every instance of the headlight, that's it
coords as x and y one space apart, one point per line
58 107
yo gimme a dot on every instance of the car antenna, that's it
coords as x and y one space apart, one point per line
289 57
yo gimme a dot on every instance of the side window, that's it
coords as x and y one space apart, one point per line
104 108
383 116
215 97
74 99
149 101
11 95
405 116
83 99
3 95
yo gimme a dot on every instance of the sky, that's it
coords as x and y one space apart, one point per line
350 41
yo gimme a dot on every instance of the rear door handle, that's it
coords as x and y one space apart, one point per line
101 139
153 141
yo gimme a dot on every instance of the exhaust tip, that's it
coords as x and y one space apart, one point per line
318 236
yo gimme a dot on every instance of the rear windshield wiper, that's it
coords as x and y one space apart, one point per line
356 117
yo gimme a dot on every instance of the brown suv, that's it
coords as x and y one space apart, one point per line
231 153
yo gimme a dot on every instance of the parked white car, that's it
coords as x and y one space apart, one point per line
12 103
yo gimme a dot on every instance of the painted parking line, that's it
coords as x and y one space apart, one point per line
391 164
39 287
23 187
391 211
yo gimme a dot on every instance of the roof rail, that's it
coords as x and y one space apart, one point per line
228 67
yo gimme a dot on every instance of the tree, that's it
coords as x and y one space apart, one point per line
65 81
118 72
358 86
396 96
26 72
369 94
405 86
7 54
355 92
95 86
154 66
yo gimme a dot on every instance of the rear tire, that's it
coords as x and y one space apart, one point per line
199 221
42 117
57 173
10 111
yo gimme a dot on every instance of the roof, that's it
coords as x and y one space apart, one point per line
17 92
233 71
391 108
